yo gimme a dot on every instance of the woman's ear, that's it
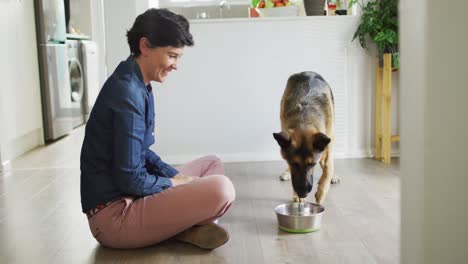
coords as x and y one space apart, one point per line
144 46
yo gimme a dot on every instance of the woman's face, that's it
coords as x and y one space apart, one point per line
161 61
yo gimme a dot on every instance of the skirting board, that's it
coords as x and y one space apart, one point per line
20 145
364 153
253 157
225 157
5 166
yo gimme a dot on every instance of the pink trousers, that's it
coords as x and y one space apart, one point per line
138 222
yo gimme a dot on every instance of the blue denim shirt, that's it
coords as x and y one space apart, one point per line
115 157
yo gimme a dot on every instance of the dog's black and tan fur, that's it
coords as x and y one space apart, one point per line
307 136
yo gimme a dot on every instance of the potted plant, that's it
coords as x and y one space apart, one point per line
379 22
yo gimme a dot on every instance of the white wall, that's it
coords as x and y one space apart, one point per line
434 128
20 106
118 18
225 97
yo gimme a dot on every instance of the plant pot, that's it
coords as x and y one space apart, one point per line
314 7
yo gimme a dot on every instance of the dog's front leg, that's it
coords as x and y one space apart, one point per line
334 178
296 198
328 168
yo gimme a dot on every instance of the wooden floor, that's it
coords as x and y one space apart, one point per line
41 219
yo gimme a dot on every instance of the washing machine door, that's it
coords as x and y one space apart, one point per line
76 92
76 80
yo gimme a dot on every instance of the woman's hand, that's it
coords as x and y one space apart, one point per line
181 179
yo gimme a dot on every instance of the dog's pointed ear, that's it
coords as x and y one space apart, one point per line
321 141
283 139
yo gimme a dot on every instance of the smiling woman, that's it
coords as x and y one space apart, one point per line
158 61
125 186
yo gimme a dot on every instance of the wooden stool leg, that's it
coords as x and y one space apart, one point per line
378 112
387 100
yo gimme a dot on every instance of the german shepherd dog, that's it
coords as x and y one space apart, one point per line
307 136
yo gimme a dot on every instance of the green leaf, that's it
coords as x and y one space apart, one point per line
379 23
351 3
381 36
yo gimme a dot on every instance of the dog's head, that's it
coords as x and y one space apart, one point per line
302 150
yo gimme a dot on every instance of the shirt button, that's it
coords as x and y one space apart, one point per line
152 134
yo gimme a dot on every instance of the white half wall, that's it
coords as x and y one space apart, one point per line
434 161
225 97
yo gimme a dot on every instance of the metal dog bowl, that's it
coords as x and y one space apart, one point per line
299 217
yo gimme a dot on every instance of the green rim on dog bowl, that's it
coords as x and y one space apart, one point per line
299 231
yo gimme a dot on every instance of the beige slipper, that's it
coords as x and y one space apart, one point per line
209 236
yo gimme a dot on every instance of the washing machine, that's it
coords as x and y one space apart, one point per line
77 85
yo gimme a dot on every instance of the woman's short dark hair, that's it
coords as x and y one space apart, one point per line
162 28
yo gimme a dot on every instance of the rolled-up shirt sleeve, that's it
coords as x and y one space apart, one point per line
129 169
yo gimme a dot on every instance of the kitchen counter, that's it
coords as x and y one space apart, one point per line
346 19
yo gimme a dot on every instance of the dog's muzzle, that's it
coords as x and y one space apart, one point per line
309 185
302 185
